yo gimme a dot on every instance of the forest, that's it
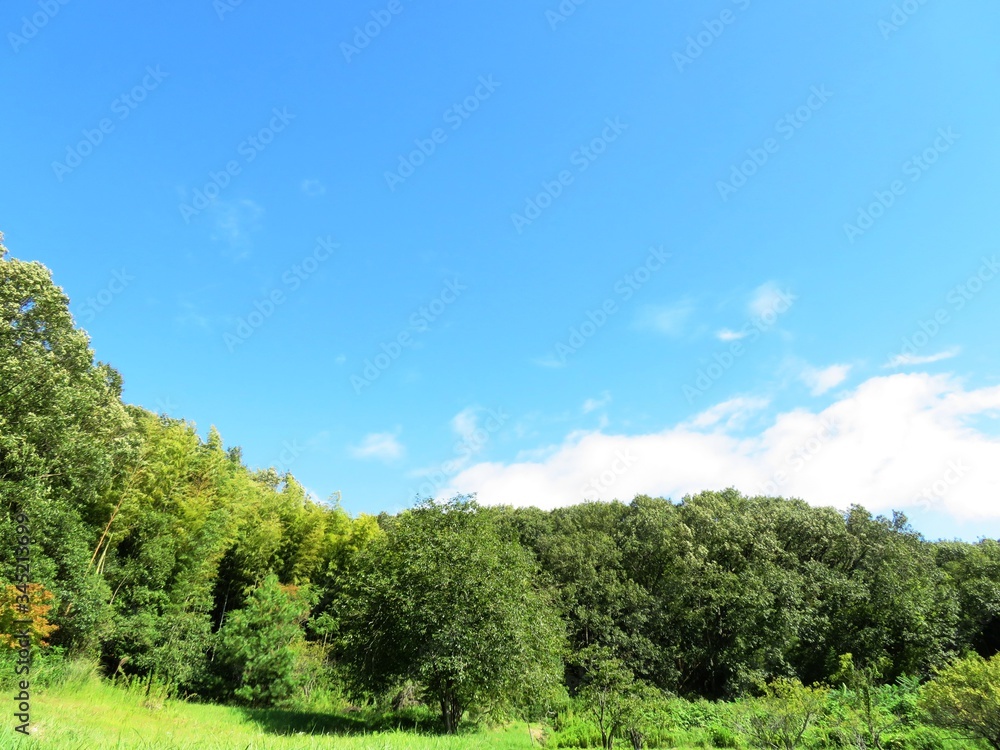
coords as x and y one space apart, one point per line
159 558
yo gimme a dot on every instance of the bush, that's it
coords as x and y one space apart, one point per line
964 698
781 719
667 722
577 732
723 737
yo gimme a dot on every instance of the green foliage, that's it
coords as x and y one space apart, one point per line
917 738
607 692
973 572
64 438
619 706
965 698
89 714
651 719
721 592
782 717
868 713
576 732
260 649
446 600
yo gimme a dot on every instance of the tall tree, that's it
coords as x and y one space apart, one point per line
447 601
65 438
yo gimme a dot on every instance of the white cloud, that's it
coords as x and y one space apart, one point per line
666 319
896 442
469 426
465 422
734 411
822 380
549 362
768 299
766 304
593 404
727 335
907 360
383 446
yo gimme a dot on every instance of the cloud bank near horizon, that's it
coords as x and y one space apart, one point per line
899 442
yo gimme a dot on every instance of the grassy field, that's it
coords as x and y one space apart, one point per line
93 715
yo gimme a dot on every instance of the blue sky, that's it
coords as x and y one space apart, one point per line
541 252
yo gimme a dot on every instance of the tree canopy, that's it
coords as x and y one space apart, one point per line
446 600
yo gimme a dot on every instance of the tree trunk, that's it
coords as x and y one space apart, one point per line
451 711
445 716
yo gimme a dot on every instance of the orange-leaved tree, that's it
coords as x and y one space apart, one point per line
25 609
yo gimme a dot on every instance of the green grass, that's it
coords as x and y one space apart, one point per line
97 715
84 712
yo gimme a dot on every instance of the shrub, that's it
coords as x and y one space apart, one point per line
781 719
723 737
964 698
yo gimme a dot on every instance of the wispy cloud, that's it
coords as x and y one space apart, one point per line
821 380
767 298
765 305
727 335
669 320
735 411
593 404
465 422
908 360
549 361
474 426
191 314
382 446
234 222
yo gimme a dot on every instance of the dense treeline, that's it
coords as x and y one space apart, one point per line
161 555
718 593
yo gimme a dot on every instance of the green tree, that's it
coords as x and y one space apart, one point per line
160 551
447 601
260 647
65 443
973 575
641 714
620 706
965 698
902 616
725 597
